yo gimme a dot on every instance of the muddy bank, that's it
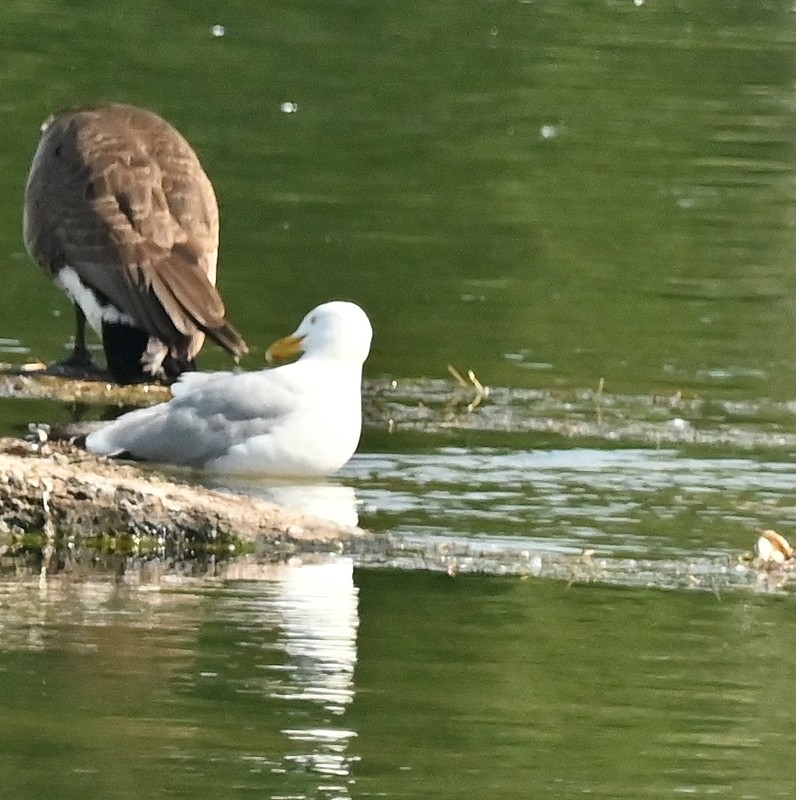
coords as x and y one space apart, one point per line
34 382
65 494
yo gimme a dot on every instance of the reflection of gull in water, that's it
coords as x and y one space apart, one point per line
312 607
317 604
317 607
332 501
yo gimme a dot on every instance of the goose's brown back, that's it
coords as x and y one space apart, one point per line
118 197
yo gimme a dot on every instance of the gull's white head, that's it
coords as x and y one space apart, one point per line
337 330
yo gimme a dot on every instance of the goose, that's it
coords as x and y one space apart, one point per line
121 215
301 419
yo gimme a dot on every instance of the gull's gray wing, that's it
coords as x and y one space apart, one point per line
201 422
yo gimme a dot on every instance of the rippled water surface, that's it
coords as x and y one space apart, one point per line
591 206
623 502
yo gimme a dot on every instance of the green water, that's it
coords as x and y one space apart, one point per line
545 192
314 684
553 194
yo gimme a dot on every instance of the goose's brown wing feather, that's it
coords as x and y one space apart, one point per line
118 195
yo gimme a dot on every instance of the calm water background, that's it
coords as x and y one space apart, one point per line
550 193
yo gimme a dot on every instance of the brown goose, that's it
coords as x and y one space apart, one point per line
120 213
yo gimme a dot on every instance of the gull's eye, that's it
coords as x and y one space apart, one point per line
313 319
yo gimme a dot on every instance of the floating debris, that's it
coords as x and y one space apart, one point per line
481 391
458 558
773 548
218 31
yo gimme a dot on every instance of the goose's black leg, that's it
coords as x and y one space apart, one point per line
79 363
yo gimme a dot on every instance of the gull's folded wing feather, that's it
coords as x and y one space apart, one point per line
206 417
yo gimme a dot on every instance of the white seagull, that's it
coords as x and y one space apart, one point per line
302 419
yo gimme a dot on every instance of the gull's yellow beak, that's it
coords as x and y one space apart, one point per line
285 348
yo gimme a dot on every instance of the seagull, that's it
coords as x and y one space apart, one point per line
301 419
121 215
